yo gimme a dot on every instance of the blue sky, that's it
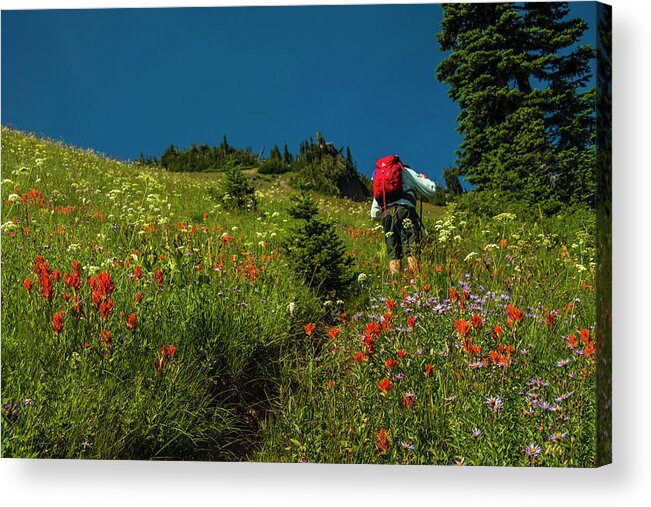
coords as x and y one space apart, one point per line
125 81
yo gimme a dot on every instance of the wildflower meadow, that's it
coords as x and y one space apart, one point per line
143 318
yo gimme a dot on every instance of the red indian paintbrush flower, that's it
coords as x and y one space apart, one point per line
101 287
550 320
309 328
28 284
333 333
411 322
382 442
359 357
72 280
372 329
107 338
42 271
585 336
105 308
369 344
462 327
159 277
408 399
453 295
138 297
390 363
497 331
132 322
401 353
386 321
571 341
137 273
38 265
589 349
57 321
164 357
390 304
476 321
515 314
385 385
429 370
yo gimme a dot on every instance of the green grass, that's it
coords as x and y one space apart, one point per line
246 381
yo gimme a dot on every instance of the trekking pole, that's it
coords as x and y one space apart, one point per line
420 217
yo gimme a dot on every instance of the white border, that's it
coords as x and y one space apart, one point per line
624 482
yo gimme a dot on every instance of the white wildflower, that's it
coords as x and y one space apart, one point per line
8 226
505 217
471 256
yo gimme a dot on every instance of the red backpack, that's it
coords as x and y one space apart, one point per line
387 180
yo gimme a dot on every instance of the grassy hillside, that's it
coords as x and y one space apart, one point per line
142 319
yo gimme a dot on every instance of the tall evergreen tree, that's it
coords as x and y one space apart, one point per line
274 153
287 156
452 184
349 157
525 123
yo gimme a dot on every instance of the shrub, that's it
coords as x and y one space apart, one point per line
237 189
273 166
317 252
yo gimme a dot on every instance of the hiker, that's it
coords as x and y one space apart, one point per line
394 201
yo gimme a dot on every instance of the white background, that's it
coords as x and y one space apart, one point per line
626 482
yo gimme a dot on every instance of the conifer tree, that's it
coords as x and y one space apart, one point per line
525 119
287 156
274 153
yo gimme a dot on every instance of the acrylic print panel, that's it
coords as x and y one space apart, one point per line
197 264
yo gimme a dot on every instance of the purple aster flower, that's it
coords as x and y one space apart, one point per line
459 462
494 403
451 398
563 362
556 437
476 432
406 446
532 451
564 396
537 383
